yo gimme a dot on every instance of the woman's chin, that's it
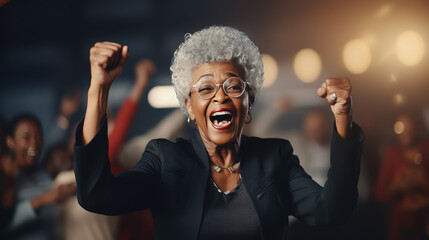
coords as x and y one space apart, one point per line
222 137
30 161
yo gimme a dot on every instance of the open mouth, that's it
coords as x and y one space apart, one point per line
32 152
221 119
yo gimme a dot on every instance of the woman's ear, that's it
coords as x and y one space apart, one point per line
188 107
251 101
10 143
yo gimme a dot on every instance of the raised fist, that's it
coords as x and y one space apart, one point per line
338 93
144 67
107 61
143 70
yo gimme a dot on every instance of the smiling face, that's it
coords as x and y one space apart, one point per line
26 144
220 119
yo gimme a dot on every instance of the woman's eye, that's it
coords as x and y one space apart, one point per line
205 89
234 88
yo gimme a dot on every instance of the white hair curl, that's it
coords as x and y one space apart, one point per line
215 44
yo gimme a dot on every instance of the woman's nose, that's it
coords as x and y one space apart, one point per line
33 142
220 95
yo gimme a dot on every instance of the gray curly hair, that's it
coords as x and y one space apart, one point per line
215 44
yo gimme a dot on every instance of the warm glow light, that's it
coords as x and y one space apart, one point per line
271 70
370 39
399 99
384 10
307 65
163 97
357 56
398 127
410 48
393 77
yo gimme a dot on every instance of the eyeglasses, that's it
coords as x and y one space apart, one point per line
207 88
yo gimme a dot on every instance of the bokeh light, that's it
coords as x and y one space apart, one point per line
307 65
385 10
399 127
271 70
357 56
393 77
163 97
398 99
410 48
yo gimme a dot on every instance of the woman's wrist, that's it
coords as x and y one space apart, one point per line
137 91
344 126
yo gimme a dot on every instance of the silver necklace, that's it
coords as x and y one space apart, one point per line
231 168
227 191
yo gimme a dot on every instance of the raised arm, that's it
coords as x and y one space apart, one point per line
107 61
334 203
125 116
98 190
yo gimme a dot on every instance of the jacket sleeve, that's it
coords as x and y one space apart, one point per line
334 203
99 191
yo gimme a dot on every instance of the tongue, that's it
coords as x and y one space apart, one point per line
220 124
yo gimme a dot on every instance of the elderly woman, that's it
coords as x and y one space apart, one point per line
220 183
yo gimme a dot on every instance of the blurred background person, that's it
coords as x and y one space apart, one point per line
403 181
138 225
314 149
171 127
34 211
59 130
59 158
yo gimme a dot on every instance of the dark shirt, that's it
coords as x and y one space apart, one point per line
229 216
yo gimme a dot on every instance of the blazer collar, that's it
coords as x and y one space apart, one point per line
200 150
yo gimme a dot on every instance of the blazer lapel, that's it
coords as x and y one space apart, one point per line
198 187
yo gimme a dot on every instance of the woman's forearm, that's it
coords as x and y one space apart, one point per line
95 111
138 89
107 61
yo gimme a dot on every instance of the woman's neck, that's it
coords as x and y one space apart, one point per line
223 156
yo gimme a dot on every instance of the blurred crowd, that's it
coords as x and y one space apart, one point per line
38 188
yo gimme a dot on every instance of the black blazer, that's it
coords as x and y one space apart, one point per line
171 179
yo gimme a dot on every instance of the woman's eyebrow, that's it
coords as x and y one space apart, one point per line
228 74
206 75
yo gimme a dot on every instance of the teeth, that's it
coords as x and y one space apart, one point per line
221 113
31 152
